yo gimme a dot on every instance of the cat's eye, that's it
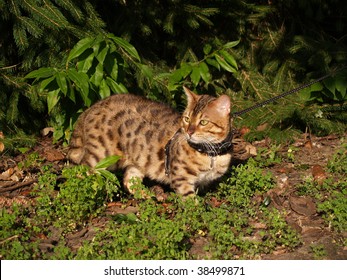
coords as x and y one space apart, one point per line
186 119
204 122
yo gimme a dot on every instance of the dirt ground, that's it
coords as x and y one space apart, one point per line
312 153
302 212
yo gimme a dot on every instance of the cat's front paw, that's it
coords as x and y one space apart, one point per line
159 193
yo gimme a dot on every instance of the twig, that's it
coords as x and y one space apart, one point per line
9 67
79 234
7 184
9 239
18 185
251 83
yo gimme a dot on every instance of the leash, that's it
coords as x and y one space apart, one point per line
270 100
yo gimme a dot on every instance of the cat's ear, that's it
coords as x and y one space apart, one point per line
191 96
222 104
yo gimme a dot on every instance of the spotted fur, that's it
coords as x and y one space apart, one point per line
138 130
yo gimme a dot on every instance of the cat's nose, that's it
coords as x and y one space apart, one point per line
191 130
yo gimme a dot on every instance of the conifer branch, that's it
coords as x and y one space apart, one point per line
9 67
247 78
15 8
36 10
11 81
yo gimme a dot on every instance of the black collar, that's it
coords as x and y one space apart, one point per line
212 150
215 149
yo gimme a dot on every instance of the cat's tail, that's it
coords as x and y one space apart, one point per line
242 150
76 148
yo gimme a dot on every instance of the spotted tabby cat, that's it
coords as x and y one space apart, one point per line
156 142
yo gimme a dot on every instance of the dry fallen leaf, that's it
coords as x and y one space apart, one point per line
307 141
262 127
115 204
47 130
258 225
53 155
302 205
41 236
279 252
6 174
282 181
8 202
318 173
308 145
251 150
159 192
215 202
2 146
282 170
15 177
244 130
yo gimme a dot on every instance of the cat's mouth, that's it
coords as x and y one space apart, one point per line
195 139
201 142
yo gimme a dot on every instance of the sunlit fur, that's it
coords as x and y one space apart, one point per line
138 130
206 109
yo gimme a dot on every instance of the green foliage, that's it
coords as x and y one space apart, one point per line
227 220
19 142
14 236
163 231
36 34
99 69
318 251
284 55
330 90
42 24
247 180
331 194
95 67
107 162
331 198
33 160
334 209
20 236
81 196
148 236
167 230
199 70
338 163
279 46
268 156
250 51
62 203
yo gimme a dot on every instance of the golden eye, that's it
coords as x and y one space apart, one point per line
204 122
186 119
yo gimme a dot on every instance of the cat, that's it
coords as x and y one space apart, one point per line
184 151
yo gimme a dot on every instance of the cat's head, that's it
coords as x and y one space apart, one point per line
206 118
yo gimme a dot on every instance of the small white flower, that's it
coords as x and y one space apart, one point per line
319 114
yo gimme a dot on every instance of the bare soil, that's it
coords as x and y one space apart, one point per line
311 158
